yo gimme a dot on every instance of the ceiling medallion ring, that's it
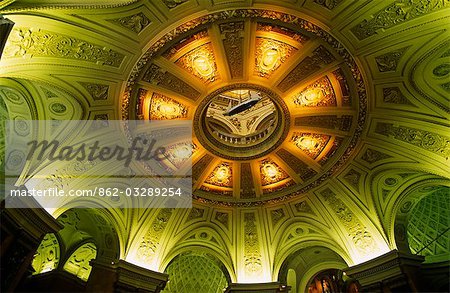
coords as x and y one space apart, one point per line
270 143
360 94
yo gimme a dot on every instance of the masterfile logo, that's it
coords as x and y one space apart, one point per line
124 164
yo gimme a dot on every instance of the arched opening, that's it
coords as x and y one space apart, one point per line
47 255
196 272
332 281
89 225
422 223
301 266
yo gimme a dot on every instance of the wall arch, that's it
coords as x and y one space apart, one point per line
224 259
308 243
81 225
391 183
422 217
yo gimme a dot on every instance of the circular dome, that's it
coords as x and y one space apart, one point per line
241 122
277 103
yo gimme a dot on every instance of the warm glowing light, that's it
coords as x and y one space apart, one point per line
222 173
271 171
203 66
312 95
309 97
222 176
167 109
269 58
200 62
270 54
162 108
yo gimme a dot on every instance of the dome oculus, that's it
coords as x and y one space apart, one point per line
241 122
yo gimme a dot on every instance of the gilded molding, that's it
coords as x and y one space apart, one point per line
353 178
167 80
58 108
325 121
206 52
195 213
270 27
182 43
360 98
271 172
311 143
199 167
233 43
222 218
303 207
29 42
345 90
334 148
165 108
276 216
299 167
284 51
65 7
247 184
417 81
222 176
319 93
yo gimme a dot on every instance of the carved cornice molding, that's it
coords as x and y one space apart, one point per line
335 50
34 220
279 134
387 266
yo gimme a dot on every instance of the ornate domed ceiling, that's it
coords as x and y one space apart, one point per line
315 122
310 115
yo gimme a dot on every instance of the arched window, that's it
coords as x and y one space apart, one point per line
78 263
428 229
47 255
